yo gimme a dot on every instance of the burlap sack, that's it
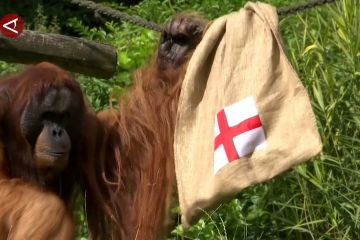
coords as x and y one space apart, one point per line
240 83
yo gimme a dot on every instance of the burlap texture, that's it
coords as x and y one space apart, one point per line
241 55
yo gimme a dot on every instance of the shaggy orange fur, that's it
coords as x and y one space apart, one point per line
27 212
122 160
30 206
144 127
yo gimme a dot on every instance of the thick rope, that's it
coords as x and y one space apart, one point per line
302 7
114 14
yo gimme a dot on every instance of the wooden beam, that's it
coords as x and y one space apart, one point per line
74 54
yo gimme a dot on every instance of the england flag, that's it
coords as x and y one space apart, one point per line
238 132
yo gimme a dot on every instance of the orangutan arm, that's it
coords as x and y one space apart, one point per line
144 124
26 212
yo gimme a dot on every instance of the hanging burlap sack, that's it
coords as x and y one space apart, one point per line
244 116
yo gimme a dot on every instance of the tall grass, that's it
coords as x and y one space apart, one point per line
321 198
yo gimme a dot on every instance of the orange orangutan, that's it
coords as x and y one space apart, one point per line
144 127
54 147
39 145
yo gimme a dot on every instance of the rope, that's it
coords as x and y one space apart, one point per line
284 11
114 14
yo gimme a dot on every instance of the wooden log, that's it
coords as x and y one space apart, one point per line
74 54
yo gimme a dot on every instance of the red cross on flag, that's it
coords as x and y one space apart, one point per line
238 132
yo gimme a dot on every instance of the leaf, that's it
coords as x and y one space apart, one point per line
308 48
124 61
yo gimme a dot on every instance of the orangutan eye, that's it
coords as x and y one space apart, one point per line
47 115
56 117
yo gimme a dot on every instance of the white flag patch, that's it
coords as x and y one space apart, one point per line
238 132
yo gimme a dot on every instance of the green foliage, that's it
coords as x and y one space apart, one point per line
80 218
134 46
42 23
7 68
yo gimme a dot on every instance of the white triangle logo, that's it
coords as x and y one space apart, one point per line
14 21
